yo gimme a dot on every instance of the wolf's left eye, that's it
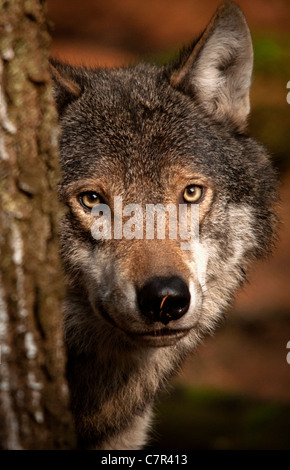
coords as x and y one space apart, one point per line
89 199
193 193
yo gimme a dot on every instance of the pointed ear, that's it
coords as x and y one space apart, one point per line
217 70
68 84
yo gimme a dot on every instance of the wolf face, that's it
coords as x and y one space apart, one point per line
161 135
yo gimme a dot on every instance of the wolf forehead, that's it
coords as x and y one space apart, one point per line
134 120
128 115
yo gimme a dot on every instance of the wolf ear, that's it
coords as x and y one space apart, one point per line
68 84
217 70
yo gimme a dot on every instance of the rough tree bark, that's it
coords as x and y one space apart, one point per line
34 411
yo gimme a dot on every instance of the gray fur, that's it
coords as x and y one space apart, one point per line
141 133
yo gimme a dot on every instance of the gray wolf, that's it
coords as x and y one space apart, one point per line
172 134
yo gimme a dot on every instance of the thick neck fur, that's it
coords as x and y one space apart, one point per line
113 383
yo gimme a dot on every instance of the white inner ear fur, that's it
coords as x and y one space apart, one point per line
219 69
225 92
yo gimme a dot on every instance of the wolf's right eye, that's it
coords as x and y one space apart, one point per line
193 193
89 199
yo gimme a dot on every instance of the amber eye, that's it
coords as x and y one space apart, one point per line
193 193
89 199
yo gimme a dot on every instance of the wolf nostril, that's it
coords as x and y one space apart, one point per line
164 299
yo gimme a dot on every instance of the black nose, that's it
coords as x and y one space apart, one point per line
164 299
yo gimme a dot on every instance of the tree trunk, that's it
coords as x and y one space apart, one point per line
34 404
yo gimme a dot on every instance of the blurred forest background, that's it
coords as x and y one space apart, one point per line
234 392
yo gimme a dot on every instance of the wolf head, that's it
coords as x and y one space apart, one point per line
152 135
